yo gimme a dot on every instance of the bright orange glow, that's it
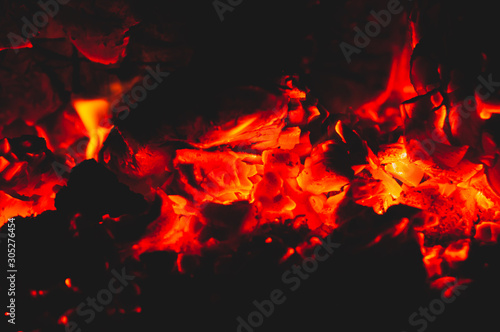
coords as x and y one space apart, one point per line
260 131
405 172
433 260
92 113
315 240
266 159
487 232
23 44
63 320
486 109
314 113
287 255
457 251
448 284
338 129
271 164
179 263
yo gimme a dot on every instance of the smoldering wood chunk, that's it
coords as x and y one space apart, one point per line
32 149
328 168
134 162
27 92
99 30
24 159
94 191
224 221
11 13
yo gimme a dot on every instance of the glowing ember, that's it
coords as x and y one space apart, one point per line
262 168
235 163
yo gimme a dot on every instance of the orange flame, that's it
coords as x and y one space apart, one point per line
92 113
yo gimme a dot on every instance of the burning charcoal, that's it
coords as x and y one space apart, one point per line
27 180
94 191
133 162
405 172
453 210
219 176
487 232
286 163
325 170
227 177
260 118
271 197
